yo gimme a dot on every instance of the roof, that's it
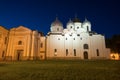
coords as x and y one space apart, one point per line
56 22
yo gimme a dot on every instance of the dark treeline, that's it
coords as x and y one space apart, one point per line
114 43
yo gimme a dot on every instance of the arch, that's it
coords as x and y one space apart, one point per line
74 52
19 55
55 52
97 52
66 52
87 28
85 54
85 46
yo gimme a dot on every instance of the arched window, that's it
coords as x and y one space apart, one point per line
97 52
77 27
19 42
85 46
74 52
66 52
55 52
87 28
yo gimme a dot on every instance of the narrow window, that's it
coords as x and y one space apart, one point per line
5 40
19 42
81 26
3 54
58 38
78 34
41 45
66 52
41 57
90 34
85 46
80 38
66 38
57 29
87 28
97 52
55 52
74 52
62 34
0 35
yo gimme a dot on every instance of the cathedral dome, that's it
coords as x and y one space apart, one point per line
70 25
86 21
56 26
86 25
70 22
56 23
76 19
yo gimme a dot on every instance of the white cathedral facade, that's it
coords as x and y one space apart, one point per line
76 41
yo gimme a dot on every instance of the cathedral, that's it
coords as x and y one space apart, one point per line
76 41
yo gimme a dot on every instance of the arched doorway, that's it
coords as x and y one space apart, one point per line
85 55
19 55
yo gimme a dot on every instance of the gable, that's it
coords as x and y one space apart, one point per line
22 28
2 29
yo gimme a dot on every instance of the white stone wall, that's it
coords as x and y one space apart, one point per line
73 40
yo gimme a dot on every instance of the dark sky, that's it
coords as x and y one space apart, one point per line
104 15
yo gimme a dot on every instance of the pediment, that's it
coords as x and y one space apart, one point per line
22 28
3 29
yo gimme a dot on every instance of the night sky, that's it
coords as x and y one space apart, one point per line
104 15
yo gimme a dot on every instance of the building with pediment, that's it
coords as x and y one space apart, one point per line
76 41
21 43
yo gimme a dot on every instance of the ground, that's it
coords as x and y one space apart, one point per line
60 70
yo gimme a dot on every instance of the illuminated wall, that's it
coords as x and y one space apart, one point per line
42 46
23 44
3 42
115 56
76 41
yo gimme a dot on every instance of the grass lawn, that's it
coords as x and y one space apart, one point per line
60 70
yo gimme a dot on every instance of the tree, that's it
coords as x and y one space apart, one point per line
114 43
